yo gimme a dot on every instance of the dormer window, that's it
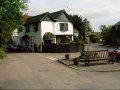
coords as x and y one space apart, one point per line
63 26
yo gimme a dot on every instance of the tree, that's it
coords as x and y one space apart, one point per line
115 35
78 24
83 25
87 30
11 15
106 32
95 37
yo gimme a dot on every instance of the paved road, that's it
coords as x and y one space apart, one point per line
42 71
97 46
34 71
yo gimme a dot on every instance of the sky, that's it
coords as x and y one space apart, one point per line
98 12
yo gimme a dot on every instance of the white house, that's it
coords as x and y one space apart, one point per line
58 23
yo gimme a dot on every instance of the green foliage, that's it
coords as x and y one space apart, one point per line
87 37
2 53
48 36
84 27
76 42
106 33
115 35
95 37
110 34
10 17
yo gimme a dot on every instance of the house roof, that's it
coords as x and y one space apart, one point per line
54 16
57 14
75 30
36 18
117 24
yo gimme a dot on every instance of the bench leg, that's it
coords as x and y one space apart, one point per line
111 61
87 63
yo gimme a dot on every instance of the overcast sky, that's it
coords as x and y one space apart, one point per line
98 12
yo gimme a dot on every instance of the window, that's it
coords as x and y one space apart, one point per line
20 29
63 27
27 28
35 27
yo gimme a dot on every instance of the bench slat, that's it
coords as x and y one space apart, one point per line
91 56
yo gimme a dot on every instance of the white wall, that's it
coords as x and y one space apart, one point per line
76 34
57 29
36 36
47 26
16 37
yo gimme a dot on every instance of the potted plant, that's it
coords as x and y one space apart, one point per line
67 56
76 61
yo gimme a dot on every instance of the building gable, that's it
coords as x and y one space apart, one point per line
63 18
47 18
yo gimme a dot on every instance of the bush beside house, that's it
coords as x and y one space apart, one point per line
2 53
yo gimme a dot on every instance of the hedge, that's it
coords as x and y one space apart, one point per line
62 48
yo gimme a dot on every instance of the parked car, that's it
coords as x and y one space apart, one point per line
115 53
12 48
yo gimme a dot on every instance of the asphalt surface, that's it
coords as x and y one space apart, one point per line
43 71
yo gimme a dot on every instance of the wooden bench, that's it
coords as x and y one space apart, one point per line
92 56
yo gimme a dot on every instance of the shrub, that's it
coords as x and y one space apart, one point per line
48 36
2 53
76 42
